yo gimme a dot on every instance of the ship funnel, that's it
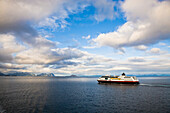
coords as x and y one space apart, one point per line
123 74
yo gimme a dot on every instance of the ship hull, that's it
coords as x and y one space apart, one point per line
118 82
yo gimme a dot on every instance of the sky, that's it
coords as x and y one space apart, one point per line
85 37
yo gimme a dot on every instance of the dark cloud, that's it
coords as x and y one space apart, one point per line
5 57
61 64
11 66
22 31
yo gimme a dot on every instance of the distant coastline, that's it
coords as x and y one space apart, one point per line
27 74
52 75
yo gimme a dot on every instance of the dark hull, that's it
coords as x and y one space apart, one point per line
119 82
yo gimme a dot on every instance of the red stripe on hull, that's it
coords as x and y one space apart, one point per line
136 82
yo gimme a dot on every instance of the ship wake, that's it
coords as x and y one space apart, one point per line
156 85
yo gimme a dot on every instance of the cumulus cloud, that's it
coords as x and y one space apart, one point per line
156 51
147 23
35 56
45 55
141 47
14 12
20 18
26 10
43 52
17 15
8 46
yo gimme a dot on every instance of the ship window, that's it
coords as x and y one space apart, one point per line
113 77
106 78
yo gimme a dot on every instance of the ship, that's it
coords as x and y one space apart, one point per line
123 79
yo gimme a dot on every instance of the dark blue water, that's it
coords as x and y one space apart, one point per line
82 95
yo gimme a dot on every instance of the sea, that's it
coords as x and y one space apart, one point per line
19 94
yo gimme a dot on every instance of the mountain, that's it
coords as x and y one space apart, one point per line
21 74
73 76
26 74
1 74
46 74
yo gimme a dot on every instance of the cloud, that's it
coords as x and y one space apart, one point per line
49 23
86 37
46 55
11 66
36 56
23 18
27 10
76 44
144 26
141 47
17 16
156 51
58 60
104 9
162 44
83 63
44 51
91 64
69 53
119 68
89 47
43 42
87 64
136 59
8 46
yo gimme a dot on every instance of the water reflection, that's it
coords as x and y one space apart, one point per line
79 79
23 93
